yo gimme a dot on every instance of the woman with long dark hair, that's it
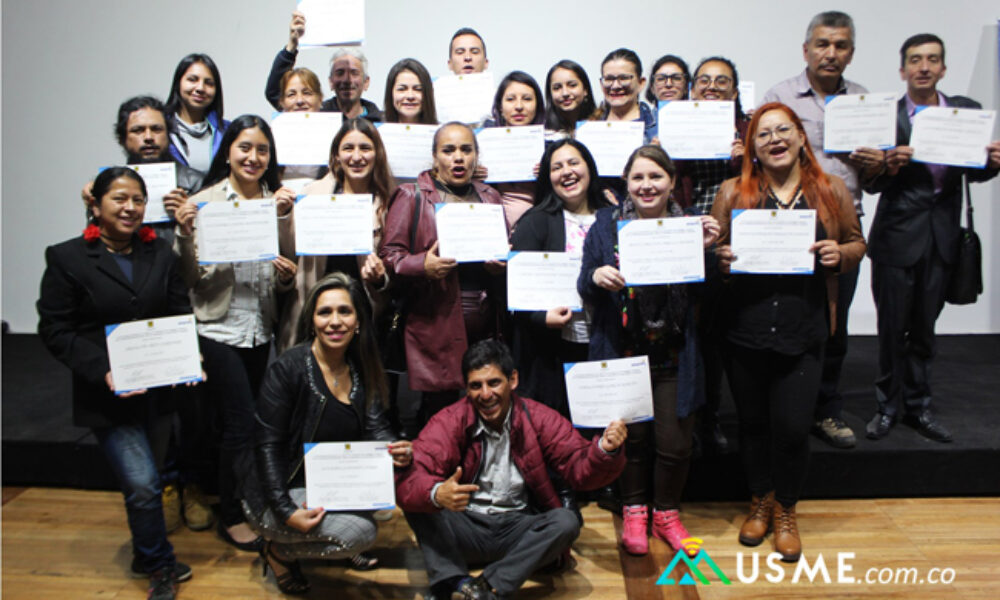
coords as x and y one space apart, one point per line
409 94
194 112
568 98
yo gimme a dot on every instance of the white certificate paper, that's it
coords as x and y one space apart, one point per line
349 476
466 98
511 153
693 129
333 22
542 280
333 224
611 143
303 138
160 180
853 121
769 241
601 391
408 147
748 95
952 136
471 232
243 230
659 251
153 353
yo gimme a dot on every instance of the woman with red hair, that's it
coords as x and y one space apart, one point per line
776 324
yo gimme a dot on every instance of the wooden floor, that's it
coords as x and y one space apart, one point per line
74 544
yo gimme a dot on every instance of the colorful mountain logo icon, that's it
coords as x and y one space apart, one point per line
700 559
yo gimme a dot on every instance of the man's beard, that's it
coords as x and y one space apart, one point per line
138 159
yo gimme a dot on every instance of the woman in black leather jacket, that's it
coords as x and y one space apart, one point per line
329 388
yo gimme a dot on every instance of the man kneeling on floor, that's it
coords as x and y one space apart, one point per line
485 460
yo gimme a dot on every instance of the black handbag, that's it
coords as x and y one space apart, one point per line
393 322
967 274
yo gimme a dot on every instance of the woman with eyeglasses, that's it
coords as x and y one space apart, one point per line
775 326
668 80
568 98
621 82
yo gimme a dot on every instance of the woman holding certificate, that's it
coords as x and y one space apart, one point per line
118 271
194 112
448 304
234 302
775 325
329 388
657 321
300 92
569 99
622 81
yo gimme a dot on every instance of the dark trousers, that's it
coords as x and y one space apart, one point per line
830 404
668 438
513 545
775 397
908 301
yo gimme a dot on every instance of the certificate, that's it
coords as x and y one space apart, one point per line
748 95
333 224
693 129
470 232
160 180
542 280
408 147
466 98
611 143
243 230
773 241
658 251
601 391
952 136
853 121
303 138
349 476
153 353
511 153
333 22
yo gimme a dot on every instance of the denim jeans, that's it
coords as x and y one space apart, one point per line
129 449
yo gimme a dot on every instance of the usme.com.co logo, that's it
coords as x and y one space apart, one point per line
701 559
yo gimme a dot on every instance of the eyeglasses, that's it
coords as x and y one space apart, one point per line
622 80
722 82
674 78
782 132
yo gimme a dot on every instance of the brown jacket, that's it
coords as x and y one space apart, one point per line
846 230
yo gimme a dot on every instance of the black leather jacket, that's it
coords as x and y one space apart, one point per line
291 403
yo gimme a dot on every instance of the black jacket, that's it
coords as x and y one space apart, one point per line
83 289
289 407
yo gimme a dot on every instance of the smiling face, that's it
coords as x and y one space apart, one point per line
923 67
467 55
570 177
146 136
568 92
334 320
197 88
621 83
355 157
714 81
348 80
490 392
408 97
456 155
669 83
649 186
249 155
519 104
120 210
300 97
827 53
777 141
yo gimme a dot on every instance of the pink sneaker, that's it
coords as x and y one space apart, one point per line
668 527
634 538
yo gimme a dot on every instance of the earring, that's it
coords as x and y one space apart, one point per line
357 331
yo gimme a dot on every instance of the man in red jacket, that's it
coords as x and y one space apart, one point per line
485 461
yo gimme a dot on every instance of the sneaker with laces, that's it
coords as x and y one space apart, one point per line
171 499
634 520
182 572
197 512
668 527
162 585
835 432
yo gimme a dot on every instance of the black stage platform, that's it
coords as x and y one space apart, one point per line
41 446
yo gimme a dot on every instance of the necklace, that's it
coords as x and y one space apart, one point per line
108 243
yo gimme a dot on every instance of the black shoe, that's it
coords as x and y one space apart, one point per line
162 585
252 546
474 589
292 581
879 426
928 426
568 500
607 498
182 572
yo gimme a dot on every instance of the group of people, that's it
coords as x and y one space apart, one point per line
488 465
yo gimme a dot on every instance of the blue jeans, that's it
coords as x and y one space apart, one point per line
129 449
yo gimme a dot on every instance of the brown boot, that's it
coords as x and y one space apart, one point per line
786 533
758 522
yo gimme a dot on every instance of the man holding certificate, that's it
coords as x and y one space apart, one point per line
914 244
479 489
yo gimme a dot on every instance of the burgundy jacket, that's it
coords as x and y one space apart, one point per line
540 439
434 336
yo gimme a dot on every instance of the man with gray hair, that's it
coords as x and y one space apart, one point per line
348 76
827 50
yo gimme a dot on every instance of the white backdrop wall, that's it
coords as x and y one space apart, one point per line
68 64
